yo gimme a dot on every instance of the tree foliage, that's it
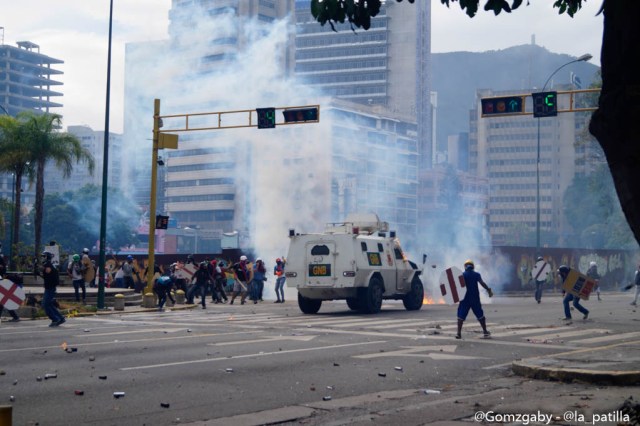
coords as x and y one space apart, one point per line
359 12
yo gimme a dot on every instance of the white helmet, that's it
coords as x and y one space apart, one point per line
243 258
259 259
85 250
592 263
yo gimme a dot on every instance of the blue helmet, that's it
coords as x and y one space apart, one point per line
129 257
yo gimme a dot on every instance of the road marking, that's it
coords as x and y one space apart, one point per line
609 338
566 334
434 352
117 342
532 330
427 324
264 340
117 333
375 323
227 358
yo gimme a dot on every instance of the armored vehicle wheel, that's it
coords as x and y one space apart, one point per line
308 306
413 300
370 298
353 304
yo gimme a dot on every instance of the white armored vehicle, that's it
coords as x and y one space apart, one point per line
359 261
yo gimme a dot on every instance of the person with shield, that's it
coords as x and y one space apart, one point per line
471 299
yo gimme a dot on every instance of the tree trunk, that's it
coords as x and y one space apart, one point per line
39 208
616 122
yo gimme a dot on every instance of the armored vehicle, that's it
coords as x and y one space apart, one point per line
359 261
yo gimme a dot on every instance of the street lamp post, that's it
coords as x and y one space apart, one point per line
582 58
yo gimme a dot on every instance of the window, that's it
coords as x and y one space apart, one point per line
320 250
380 249
363 246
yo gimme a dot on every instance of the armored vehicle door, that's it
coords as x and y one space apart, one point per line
320 262
404 272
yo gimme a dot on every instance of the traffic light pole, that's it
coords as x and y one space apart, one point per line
152 203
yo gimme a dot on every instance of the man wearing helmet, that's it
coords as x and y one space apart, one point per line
201 278
74 269
51 281
471 299
241 278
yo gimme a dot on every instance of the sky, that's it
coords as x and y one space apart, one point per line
76 31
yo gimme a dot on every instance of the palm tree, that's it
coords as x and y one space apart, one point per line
45 144
14 158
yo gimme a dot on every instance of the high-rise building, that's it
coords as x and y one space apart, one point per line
93 141
26 79
504 150
387 65
26 84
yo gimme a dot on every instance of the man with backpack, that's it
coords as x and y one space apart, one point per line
74 269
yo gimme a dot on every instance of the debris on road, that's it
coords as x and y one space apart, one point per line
326 398
164 404
118 394
79 392
102 377
50 376
398 368
229 370
431 392
382 374
12 398
92 358
335 364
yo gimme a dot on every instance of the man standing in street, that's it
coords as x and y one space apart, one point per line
74 270
88 271
636 281
471 299
51 282
241 278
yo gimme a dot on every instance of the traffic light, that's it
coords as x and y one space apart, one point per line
266 118
162 222
545 104
300 114
507 105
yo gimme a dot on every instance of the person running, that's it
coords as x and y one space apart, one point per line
257 283
568 297
74 269
217 290
471 299
241 277
278 271
51 282
540 280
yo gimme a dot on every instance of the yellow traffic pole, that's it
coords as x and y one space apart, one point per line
5 415
152 202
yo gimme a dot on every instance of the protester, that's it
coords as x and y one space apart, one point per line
636 281
200 279
471 299
127 273
51 282
568 297
241 277
257 283
162 288
88 271
219 279
278 271
539 282
592 273
74 269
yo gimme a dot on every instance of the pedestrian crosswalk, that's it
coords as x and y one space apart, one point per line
568 335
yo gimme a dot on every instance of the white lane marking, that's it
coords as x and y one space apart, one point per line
609 338
264 340
524 331
197 361
433 352
573 333
375 323
324 321
429 325
117 333
117 342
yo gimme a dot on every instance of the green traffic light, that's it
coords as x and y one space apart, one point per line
550 99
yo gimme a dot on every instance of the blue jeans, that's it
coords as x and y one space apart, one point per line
538 295
77 285
576 304
49 308
280 288
256 289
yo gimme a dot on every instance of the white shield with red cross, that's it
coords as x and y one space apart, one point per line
185 271
11 295
452 286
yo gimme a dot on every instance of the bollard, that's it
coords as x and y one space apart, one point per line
5 415
118 303
149 300
179 297
169 302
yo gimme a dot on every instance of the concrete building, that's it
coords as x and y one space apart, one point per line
26 84
504 151
387 65
94 142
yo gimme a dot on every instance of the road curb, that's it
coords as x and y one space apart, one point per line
544 369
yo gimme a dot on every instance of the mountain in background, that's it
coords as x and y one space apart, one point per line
456 76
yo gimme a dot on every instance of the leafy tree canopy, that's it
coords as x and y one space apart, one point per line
359 12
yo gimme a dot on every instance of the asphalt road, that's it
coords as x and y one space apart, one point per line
269 363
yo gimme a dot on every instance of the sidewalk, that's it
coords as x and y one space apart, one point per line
616 365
